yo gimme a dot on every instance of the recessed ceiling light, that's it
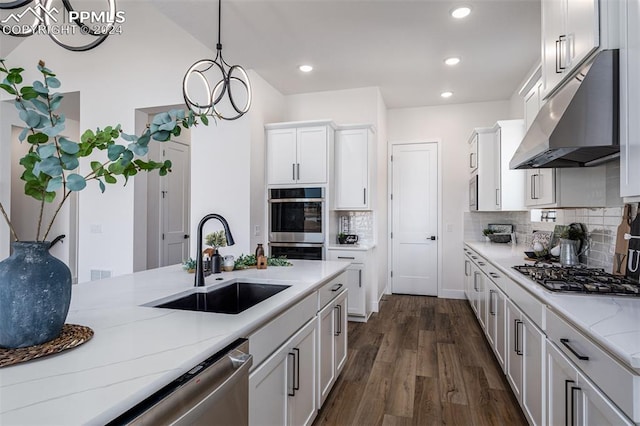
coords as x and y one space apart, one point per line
446 94
461 12
454 60
305 68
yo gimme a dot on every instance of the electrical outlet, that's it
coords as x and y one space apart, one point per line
256 231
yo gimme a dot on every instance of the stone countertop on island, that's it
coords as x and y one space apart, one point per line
136 350
611 321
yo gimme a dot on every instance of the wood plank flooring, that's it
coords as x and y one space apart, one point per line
420 361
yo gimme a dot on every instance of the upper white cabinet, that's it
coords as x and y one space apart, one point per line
570 32
473 153
540 186
354 165
630 100
499 188
570 187
297 153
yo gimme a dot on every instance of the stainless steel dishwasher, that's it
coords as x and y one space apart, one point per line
214 392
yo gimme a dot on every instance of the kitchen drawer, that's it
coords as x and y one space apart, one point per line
618 382
264 341
503 282
353 256
527 303
331 289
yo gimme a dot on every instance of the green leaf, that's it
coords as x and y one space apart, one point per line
14 78
87 136
31 118
37 138
28 93
95 166
40 88
53 131
116 168
205 120
44 70
54 183
50 166
114 152
8 89
75 182
46 151
53 82
102 187
110 179
144 139
70 162
34 189
68 146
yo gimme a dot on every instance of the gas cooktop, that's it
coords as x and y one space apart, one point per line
580 280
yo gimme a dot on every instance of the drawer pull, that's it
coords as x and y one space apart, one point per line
481 263
565 342
346 257
336 287
494 275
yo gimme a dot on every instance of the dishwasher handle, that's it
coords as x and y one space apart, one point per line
240 364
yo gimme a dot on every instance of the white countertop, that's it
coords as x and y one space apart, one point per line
136 350
611 321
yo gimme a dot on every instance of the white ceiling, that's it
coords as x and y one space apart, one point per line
396 45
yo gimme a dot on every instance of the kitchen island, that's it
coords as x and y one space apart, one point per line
138 349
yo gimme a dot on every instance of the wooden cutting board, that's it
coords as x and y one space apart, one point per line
622 245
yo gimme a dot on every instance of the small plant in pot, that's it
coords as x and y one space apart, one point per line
35 287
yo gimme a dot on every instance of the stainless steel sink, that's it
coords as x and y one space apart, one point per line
231 299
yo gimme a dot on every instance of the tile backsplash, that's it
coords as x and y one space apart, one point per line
359 223
602 224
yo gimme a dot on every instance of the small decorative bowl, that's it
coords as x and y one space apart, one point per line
499 238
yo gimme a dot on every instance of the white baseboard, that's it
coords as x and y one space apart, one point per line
452 294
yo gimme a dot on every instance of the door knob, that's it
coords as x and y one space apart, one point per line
433 238
186 236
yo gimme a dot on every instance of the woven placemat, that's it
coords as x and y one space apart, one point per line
72 335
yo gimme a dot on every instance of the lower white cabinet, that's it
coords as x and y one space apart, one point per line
360 278
525 363
332 332
282 391
572 399
496 321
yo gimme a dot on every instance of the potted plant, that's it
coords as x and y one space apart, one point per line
35 287
215 240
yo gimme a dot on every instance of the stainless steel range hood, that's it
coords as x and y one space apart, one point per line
578 126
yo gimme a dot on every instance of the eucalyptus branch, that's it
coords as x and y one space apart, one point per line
40 216
6 218
55 214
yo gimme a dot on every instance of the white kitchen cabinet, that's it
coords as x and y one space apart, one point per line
525 363
354 167
359 280
499 188
282 391
566 187
332 341
570 33
496 321
473 153
630 99
533 100
468 276
297 153
573 399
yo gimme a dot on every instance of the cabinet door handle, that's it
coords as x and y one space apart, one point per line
346 257
573 403
293 385
558 70
491 311
338 309
467 269
475 280
359 277
565 342
293 171
336 287
566 403
497 196
296 383
518 349
364 201
561 39
534 196
471 166
298 171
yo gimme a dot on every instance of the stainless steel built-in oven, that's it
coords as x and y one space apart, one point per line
473 193
296 215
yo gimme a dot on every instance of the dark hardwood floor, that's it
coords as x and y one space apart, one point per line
420 361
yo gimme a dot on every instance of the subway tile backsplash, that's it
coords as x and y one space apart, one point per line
602 224
359 222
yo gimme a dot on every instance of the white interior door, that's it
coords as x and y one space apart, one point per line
175 200
414 216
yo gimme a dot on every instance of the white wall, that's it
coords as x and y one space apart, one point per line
142 67
452 125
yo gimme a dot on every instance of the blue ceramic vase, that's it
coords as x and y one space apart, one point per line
35 293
